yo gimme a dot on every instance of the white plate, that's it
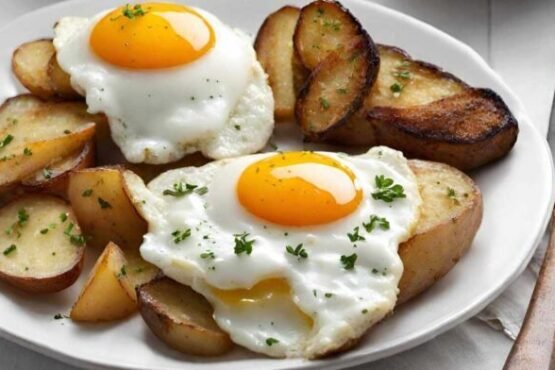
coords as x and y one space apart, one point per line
517 202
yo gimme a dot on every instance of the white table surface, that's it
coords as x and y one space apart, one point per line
517 38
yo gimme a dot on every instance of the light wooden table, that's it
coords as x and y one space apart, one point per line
517 37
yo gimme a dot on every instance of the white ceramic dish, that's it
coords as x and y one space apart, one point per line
517 194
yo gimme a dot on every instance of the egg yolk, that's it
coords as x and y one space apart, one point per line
151 36
263 293
299 189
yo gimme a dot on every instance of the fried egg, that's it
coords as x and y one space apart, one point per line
171 79
296 251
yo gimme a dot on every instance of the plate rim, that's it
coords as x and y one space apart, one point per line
415 339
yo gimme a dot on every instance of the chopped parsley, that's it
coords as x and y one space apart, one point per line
9 250
237 127
75 239
59 316
355 236
132 13
364 311
324 103
405 75
396 88
298 251
242 245
27 152
328 295
179 236
342 91
208 255
348 262
63 217
122 271
44 231
376 221
47 173
271 341
22 217
103 204
87 193
387 190
180 189
6 140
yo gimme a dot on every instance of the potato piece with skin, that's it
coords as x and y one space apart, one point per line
103 208
30 66
35 134
42 253
108 294
274 49
181 318
451 214
55 179
60 80
344 63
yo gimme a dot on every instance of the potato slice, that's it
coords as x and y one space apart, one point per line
35 134
344 63
108 294
43 247
451 214
60 81
103 208
55 179
30 66
274 49
181 318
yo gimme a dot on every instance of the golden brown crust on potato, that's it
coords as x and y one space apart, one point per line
344 64
30 66
181 318
38 254
57 179
274 49
451 214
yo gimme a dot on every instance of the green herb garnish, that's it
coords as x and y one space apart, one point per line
208 255
324 103
387 190
87 193
355 236
10 249
374 221
242 245
179 236
348 262
298 251
271 341
103 204
6 140
396 88
27 152
180 189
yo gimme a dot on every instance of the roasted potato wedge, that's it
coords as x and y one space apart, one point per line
181 318
274 48
30 66
433 115
103 208
36 134
108 294
344 64
54 180
60 80
35 65
43 247
451 214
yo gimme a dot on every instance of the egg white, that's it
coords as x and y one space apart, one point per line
220 104
343 304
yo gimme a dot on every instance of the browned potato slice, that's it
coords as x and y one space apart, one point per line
181 318
451 214
103 209
274 49
55 179
430 114
35 134
30 66
344 63
60 81
42 244
108 293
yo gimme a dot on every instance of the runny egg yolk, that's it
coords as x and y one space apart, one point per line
299 189
151 36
